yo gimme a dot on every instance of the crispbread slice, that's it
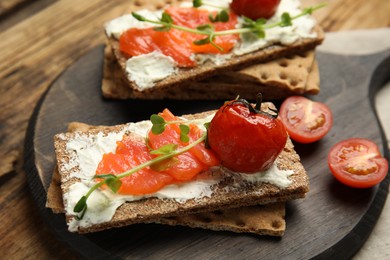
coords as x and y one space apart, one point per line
209 69
290 73
266 219
233 191
206 70
313 81
276 80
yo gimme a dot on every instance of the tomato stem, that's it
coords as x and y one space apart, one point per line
257 108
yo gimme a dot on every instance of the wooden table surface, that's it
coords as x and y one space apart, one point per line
39 39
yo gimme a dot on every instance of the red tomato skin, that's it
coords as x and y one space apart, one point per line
295 110
244 141
255 9
357 154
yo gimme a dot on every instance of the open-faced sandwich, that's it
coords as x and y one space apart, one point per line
176 170
211 50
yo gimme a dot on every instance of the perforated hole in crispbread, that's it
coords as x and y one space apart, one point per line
276 224
283 63
282 75
293 82
138 3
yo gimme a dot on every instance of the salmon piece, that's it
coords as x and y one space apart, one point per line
135 42
130 153
192 162
192 17
175 43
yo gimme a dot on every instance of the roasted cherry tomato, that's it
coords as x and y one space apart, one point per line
357 162
306 121
255 9
245 138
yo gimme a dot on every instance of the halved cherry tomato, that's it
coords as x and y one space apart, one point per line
306 121
246 141
255 9
357 162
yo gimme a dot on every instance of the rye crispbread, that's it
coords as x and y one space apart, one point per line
276 80
266 219
209 69
168 87
225 195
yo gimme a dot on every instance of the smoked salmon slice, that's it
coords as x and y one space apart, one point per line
179 44
131 152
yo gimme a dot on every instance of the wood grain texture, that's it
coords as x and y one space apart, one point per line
35 50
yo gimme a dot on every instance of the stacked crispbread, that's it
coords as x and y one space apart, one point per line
277 71
233 205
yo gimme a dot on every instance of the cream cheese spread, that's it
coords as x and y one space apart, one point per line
301 28
121 24
149 68
86 151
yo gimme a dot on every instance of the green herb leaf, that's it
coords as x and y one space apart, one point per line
81 204
184 131
197 3
114 183
138 17
166 21
205 28
165 149
166 18
259 32
285 20
159 124
223 16
260 21
202 41
103 176
213 19
156 119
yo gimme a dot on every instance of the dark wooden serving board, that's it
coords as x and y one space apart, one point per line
333 221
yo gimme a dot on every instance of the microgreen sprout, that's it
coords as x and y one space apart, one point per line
199 3
257 27
159 124
221 16
165 159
